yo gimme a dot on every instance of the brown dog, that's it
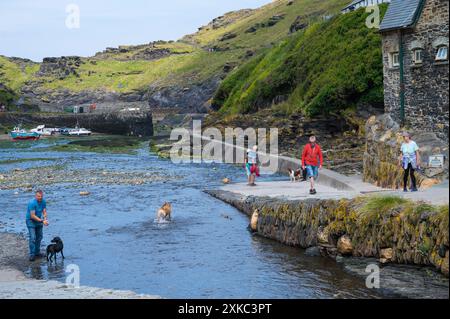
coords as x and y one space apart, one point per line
164 213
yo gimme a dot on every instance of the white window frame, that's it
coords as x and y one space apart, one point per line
415 53
393 63
439 54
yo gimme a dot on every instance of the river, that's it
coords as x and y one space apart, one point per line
205 252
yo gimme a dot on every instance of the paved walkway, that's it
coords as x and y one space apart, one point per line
438 194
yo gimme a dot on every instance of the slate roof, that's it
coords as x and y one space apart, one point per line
401 14
352 4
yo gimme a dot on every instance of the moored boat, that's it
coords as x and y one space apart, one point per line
21 134
45 131
79 132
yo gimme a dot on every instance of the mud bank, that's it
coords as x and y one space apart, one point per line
14 285
388 229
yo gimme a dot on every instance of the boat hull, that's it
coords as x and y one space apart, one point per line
24 136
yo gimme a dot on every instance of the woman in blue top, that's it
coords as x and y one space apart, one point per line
409 161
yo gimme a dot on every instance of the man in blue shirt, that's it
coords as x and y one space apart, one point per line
36 218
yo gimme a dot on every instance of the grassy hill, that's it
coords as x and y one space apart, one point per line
13 75
331 66
216 48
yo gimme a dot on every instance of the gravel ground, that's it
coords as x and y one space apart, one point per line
27 178
14 285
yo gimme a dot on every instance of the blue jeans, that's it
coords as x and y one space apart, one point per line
35 238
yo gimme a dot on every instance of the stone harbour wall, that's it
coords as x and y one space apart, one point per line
398 231
135 124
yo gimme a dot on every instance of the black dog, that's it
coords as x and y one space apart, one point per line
55 248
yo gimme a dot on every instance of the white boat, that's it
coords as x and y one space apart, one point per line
45 131
79 132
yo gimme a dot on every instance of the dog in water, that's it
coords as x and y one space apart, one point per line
53 249
165 212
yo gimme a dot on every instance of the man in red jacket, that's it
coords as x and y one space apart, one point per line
312 160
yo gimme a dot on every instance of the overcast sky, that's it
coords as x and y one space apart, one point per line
36 29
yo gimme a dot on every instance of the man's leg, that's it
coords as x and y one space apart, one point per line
316 176
32 240
37 247
310 175
311 181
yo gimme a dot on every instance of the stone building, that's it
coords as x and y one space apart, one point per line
415 58
356 4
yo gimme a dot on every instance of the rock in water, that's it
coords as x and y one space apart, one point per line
322 235
313 251
84 193
386 255
344 245
254 221
226 216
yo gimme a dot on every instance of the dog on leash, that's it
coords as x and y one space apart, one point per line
295 175
165 212
53 249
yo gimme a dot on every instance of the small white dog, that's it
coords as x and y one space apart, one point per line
295 175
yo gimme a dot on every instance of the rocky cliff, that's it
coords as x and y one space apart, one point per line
180 74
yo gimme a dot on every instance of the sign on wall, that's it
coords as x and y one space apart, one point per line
436 160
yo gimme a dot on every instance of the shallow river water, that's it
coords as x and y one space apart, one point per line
205 252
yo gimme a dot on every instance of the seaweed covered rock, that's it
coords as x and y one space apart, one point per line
386 255
344 245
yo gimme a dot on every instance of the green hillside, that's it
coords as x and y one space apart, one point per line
13 75
330 66
229 40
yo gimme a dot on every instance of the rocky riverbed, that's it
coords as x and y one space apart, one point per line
28 179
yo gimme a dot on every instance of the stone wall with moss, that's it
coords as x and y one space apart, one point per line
390 228
383 141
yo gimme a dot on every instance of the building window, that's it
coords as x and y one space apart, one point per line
418 56
442 53
395 60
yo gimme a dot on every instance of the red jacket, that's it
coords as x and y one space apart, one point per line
310 155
